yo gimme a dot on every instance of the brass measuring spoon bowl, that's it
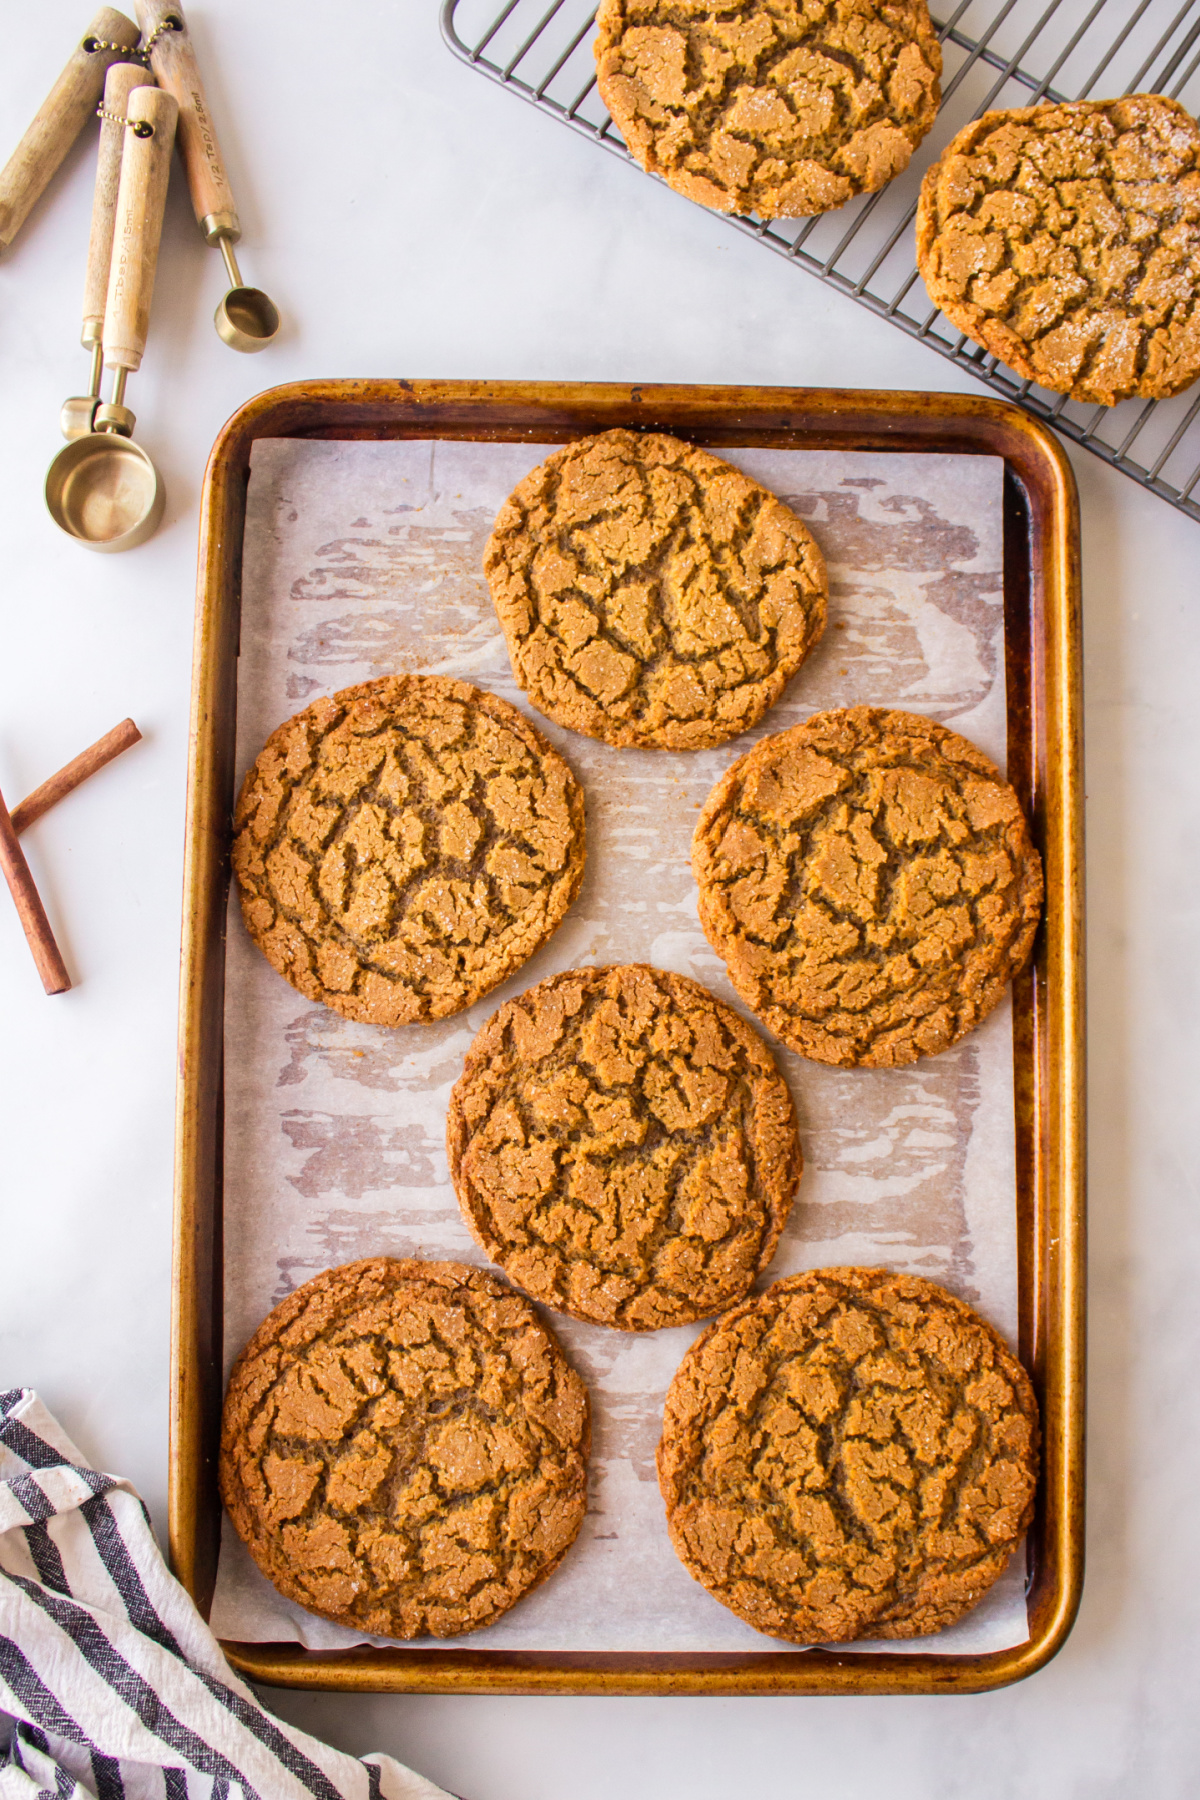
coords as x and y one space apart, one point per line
103 490
246 319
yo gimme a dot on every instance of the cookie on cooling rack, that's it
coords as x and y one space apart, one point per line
651 594
404 846
780 110
851 1454
1065 239
404 1448
869 879
623 1145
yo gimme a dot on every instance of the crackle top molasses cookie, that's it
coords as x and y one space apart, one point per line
651 594
869 879
404 1448
623 1145
781 109
1066 240
851 1454
404 846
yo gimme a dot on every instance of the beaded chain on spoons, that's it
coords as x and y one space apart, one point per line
140 127
141 50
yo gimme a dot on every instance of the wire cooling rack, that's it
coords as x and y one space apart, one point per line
1014 53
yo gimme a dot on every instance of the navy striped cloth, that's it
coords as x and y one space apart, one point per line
118 1688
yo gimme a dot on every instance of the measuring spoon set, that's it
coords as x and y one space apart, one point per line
102 488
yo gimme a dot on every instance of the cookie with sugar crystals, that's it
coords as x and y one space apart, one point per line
405 845
404 1447
869 879
651 594
1065 239
851 1454
623 1145
780 110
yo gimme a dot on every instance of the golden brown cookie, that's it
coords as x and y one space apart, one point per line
851 1454
404 1448
623 1145
781 109
869 879
404 846
651 594
1066 240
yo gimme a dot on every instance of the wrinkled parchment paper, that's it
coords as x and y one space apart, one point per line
364 559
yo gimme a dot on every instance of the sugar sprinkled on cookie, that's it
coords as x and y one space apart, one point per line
1066 240
783 110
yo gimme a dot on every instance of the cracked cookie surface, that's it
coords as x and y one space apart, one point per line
404 1447
851 1454
1066 240
623 1145
404 846
869 879
779 107
651 594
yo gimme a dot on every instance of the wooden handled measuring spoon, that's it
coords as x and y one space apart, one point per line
246 318
62 116
103 489
79 412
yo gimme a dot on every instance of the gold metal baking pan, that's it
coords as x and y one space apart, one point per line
1041 597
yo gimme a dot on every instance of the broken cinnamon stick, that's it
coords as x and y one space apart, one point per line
30 911
121 737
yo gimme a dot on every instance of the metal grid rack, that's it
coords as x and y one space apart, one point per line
998 53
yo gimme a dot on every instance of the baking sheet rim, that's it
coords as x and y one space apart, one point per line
1052 1247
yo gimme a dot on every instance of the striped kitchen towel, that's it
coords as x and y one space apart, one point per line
118 1687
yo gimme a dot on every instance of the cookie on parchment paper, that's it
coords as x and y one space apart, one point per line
783 109
623 1145
869 879
851 1454
651 594
1065 239
404 1448
405 845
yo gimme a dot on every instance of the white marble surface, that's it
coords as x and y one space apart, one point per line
412 220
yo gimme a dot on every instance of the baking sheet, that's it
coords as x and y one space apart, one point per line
364 558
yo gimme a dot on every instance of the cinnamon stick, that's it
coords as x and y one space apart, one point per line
121 737
30 911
